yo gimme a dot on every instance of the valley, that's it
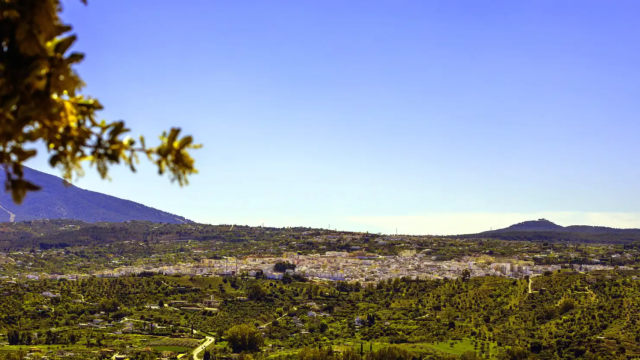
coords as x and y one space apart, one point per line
143 290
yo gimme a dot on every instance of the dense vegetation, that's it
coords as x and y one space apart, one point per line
68 246
568 237
565 315
562 314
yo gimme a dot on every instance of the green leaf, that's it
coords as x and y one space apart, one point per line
63 45
22 154
9 103
64 28
75 57
185 142
54 160
173 135
91 104
117 129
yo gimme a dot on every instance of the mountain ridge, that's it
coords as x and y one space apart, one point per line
548 226
61 200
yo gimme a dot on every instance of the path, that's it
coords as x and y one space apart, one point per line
530 278
278 319
199 349
594 297
12 216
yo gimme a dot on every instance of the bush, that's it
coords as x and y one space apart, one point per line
566 305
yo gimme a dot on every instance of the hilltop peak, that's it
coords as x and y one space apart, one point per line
534 225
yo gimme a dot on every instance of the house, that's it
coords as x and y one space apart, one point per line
178 303
106 352
210 302
274 276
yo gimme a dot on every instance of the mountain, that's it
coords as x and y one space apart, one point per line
59 201
546 231
534 225
546 225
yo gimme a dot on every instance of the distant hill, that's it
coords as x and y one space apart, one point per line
545 230
534 225
58 201
546 225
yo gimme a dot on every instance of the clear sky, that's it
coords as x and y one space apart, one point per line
429 116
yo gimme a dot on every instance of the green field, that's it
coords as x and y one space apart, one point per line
176 349
44 348
459 347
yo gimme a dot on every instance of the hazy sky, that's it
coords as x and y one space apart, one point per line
430 116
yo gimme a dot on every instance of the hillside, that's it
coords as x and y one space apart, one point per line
59 201
534 225
547 231
546 225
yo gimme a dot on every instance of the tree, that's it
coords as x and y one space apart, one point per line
244 338
516 353
535 347
566 305
255 292
469 355
351 354
466 275
324 326
13 337
390 353
316 354
282 266
41 103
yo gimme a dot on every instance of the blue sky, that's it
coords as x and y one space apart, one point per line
430 116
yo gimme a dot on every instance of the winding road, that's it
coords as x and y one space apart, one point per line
201 347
